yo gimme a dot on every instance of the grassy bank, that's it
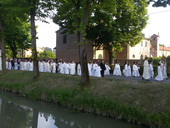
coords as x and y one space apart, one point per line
137 102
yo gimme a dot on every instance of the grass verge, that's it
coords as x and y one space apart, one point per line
137 102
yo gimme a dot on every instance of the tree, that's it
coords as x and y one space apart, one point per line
76 21
48 49
17 36
160 3
36 10
8 13
47 55
117 23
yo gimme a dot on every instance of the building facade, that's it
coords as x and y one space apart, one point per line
67 47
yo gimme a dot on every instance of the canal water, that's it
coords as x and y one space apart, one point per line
18 112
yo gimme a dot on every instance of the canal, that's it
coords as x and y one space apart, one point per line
19 112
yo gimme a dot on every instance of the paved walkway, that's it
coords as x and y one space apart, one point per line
167 81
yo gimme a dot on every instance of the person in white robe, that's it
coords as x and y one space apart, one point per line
129 72
94 66
40 66
21 65
107 71
159 77
31 66
61 68
28 65
54 67
117 70
7 64
78 69
146 74
67 68
24 65
64 67
138 68
90 68
48 66
16 64
98 71
151 71
72 68
165 76
135 70
126 68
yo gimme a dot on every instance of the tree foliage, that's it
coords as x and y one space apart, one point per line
116 23
17 36
46 55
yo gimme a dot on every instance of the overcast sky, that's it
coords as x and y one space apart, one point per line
159 22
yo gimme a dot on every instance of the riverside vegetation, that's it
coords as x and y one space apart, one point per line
139 102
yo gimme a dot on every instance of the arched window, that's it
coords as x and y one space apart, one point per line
100 56
133 56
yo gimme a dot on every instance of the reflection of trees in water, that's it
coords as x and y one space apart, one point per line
12 116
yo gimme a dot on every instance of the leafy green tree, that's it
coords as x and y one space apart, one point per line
36 10
46 55
118 23
76 21
17 36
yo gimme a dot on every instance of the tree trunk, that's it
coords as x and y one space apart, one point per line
33 42
2 46
110 52
85 80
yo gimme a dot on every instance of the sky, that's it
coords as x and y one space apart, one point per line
159 22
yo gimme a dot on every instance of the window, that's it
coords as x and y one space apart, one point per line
133 56
100 56
64 39
145 44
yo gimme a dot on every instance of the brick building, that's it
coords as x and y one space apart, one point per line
68 49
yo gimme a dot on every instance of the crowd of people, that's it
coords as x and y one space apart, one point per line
97 69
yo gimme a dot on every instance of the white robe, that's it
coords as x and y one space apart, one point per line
78 69
135 71
64 67
107 71
94 69
146 74
98 71
159 77
31 66
165 72
24 66
72 68
129 71
53 65
126 70
41 66
28 66
117 71
16 66
67 69
90 69
151 71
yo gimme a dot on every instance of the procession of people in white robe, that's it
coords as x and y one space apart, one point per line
94 69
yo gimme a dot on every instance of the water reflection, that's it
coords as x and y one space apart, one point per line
17 112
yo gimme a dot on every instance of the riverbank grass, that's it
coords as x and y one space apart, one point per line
138 102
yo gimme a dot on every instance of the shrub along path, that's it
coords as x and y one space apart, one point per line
141 102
